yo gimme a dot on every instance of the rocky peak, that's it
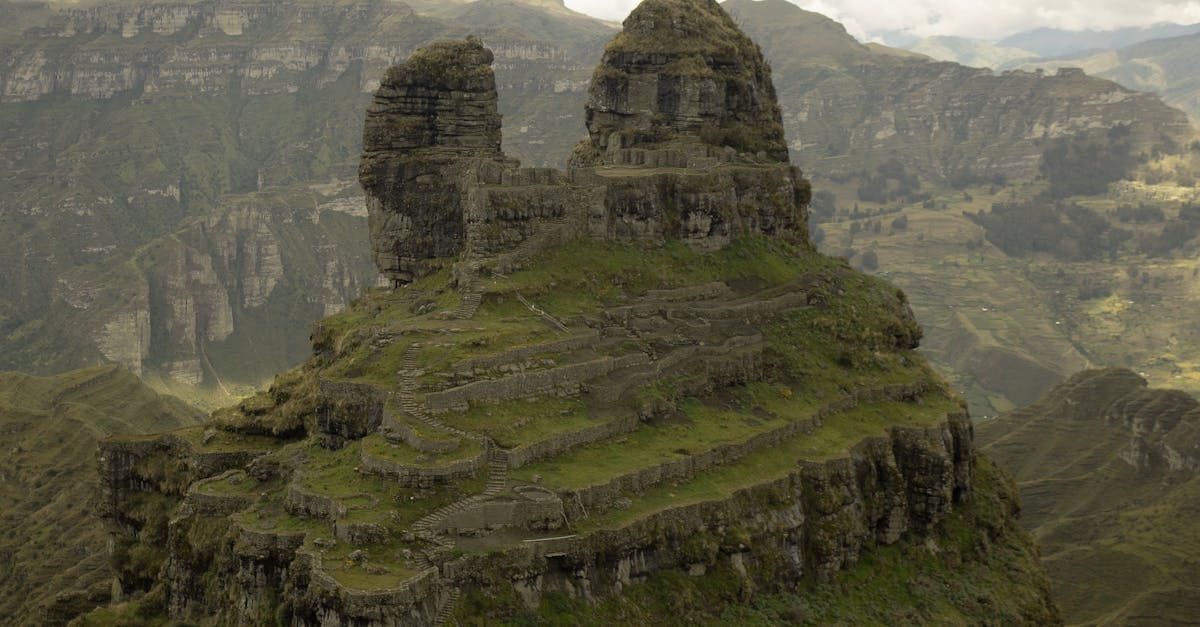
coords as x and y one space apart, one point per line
443 97
682 69
682 95
429 114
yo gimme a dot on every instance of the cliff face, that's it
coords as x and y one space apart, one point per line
129 129
849 106
582 380
1108 468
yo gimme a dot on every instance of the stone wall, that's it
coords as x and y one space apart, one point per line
411 437
419 476
305 504
818 520
560 381
596 499
519 357
561 443
535 510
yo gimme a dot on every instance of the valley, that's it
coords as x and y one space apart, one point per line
560 333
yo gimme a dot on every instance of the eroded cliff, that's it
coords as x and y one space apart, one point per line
126 128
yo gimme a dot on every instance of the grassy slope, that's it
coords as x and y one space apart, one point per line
846 342
1120 545
52 542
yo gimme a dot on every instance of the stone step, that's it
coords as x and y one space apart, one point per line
447 608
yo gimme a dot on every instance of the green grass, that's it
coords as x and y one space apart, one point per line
585 275
224 441
700 428
403 454
833 439
524 421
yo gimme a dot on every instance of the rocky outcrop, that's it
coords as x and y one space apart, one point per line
698 389
684 69
704 165
429 117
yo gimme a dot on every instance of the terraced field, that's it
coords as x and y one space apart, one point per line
576 401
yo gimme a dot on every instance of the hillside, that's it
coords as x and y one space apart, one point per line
632 385
54 549
1108 475
850 107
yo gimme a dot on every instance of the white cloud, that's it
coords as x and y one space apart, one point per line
606 9
967 18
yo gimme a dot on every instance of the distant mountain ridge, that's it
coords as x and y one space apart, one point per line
849 107
183 173
1163 66
970 52
1055 42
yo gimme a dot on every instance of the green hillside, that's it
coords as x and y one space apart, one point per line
1108 474
54 549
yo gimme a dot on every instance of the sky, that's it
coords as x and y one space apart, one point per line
983 19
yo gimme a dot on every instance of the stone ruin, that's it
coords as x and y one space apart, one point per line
684 142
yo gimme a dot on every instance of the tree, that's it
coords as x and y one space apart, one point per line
869 261
1087 163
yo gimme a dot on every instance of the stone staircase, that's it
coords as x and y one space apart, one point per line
406 396
496 483
447 607
472 294
469 305
425 528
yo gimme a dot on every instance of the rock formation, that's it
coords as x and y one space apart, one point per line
684 143
684 70
580 381
433 124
